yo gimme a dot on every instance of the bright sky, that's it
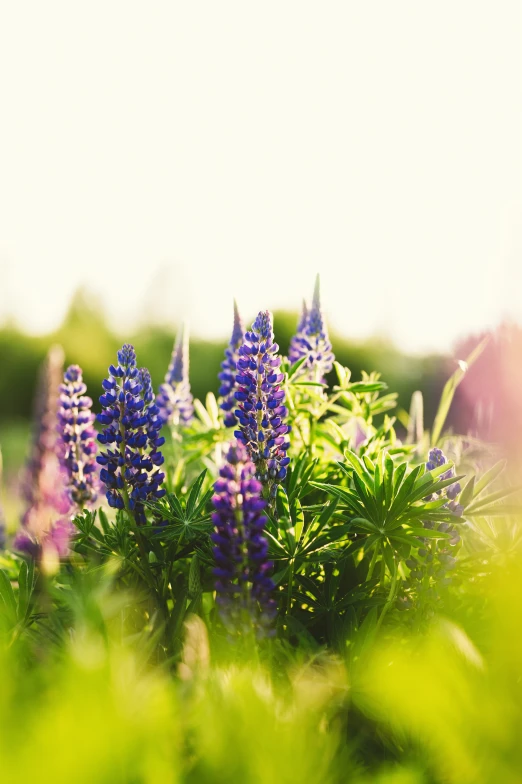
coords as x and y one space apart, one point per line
172 155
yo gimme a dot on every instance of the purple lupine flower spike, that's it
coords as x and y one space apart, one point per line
77 444
243 585
296 349
130 464
261 411
228 372
175 401
437 458
321 357
48 502
313 342
44 435
441 553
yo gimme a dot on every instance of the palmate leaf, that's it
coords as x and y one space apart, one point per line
475 503
189 516
385 496
293 537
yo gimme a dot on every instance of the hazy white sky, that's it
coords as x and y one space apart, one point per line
171 155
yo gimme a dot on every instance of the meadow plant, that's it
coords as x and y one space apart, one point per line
244 590
77 444
130 463
295 350
260 397
354 554
311 341
175 402
227 376
46 527
436 558
45 434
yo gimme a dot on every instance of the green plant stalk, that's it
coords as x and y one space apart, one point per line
290 586
373 561
390 599
168 573
137 533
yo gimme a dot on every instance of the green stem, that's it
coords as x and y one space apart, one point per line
311 439
290 587
168 574
373 561
390 599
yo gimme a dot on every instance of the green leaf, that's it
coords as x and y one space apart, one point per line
302 480
400 470
364 387
496 510
364 524
296 366
488 477
415 424
7 595
359 467
468 492
478 506
388 480
202 413
104 522
389 558
25 587
298 520
449 390
194 493
212 408
367 498
327 512
343 375
401 498
432 487
428 533
365 634
282 505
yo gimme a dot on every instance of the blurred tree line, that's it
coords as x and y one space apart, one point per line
88 341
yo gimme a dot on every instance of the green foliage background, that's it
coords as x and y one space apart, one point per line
89 341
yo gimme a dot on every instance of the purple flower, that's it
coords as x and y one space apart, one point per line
48 502
243 586
130 464
44 435
25 543
174 396
312 342
296 350
437 458
36 537
261 411
229 369
77 445
50 546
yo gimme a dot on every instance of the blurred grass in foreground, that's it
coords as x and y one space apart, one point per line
442 707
